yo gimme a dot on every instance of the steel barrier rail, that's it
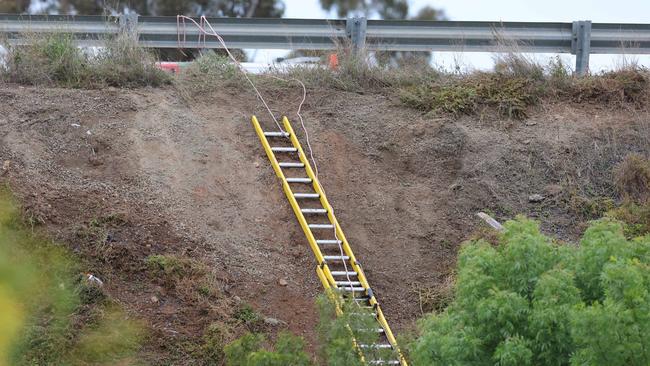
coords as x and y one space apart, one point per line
580 38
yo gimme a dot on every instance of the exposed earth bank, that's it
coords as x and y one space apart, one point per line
166 173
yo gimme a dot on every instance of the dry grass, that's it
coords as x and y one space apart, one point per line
517 83
54 60
632 178
434 298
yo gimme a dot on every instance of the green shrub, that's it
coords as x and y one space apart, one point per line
214 340
529 301
249 317
166 264
48 314
589 208
248 351
49 59
172 267
510 95
635 218
337 333
454 98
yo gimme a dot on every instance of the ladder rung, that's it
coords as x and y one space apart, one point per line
343 273
306 195
335 258
376 330
276 134
291 165
365 298
353 289
321 226
284 149
383 362
328 241
314 211
298 180
364 314
376 345
349 283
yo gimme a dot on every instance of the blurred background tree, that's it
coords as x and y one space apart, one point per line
390 10
228 8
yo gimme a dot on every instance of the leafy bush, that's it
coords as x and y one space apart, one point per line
48 314
337 333
248 351
529 301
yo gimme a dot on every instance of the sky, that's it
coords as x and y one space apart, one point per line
605 11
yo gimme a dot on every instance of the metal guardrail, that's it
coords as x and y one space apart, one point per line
579 38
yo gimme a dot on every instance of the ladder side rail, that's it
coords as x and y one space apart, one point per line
325 203
288 192
323 271
339 232
337 306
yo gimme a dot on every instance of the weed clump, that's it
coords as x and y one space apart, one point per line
619 87
123 63
590 207
635 218
509 95
170 266
55 60
247 316
214 340
210 71
51 59
632 178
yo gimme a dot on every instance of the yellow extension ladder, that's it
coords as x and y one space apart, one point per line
337 266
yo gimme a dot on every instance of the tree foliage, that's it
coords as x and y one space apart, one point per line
228 8
385 9
248 351
529 301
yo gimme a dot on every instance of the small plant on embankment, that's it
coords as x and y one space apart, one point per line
337 334
530 301
51 314
516 84
55 60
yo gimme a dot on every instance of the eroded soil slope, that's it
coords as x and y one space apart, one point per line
188 176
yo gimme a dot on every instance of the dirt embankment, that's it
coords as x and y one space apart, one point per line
189 177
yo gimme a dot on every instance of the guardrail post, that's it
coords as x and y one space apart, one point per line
356 30
129 24
581 45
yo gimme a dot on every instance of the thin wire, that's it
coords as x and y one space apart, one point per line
313 160
204 32
239 66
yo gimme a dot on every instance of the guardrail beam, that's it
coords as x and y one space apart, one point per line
579 38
